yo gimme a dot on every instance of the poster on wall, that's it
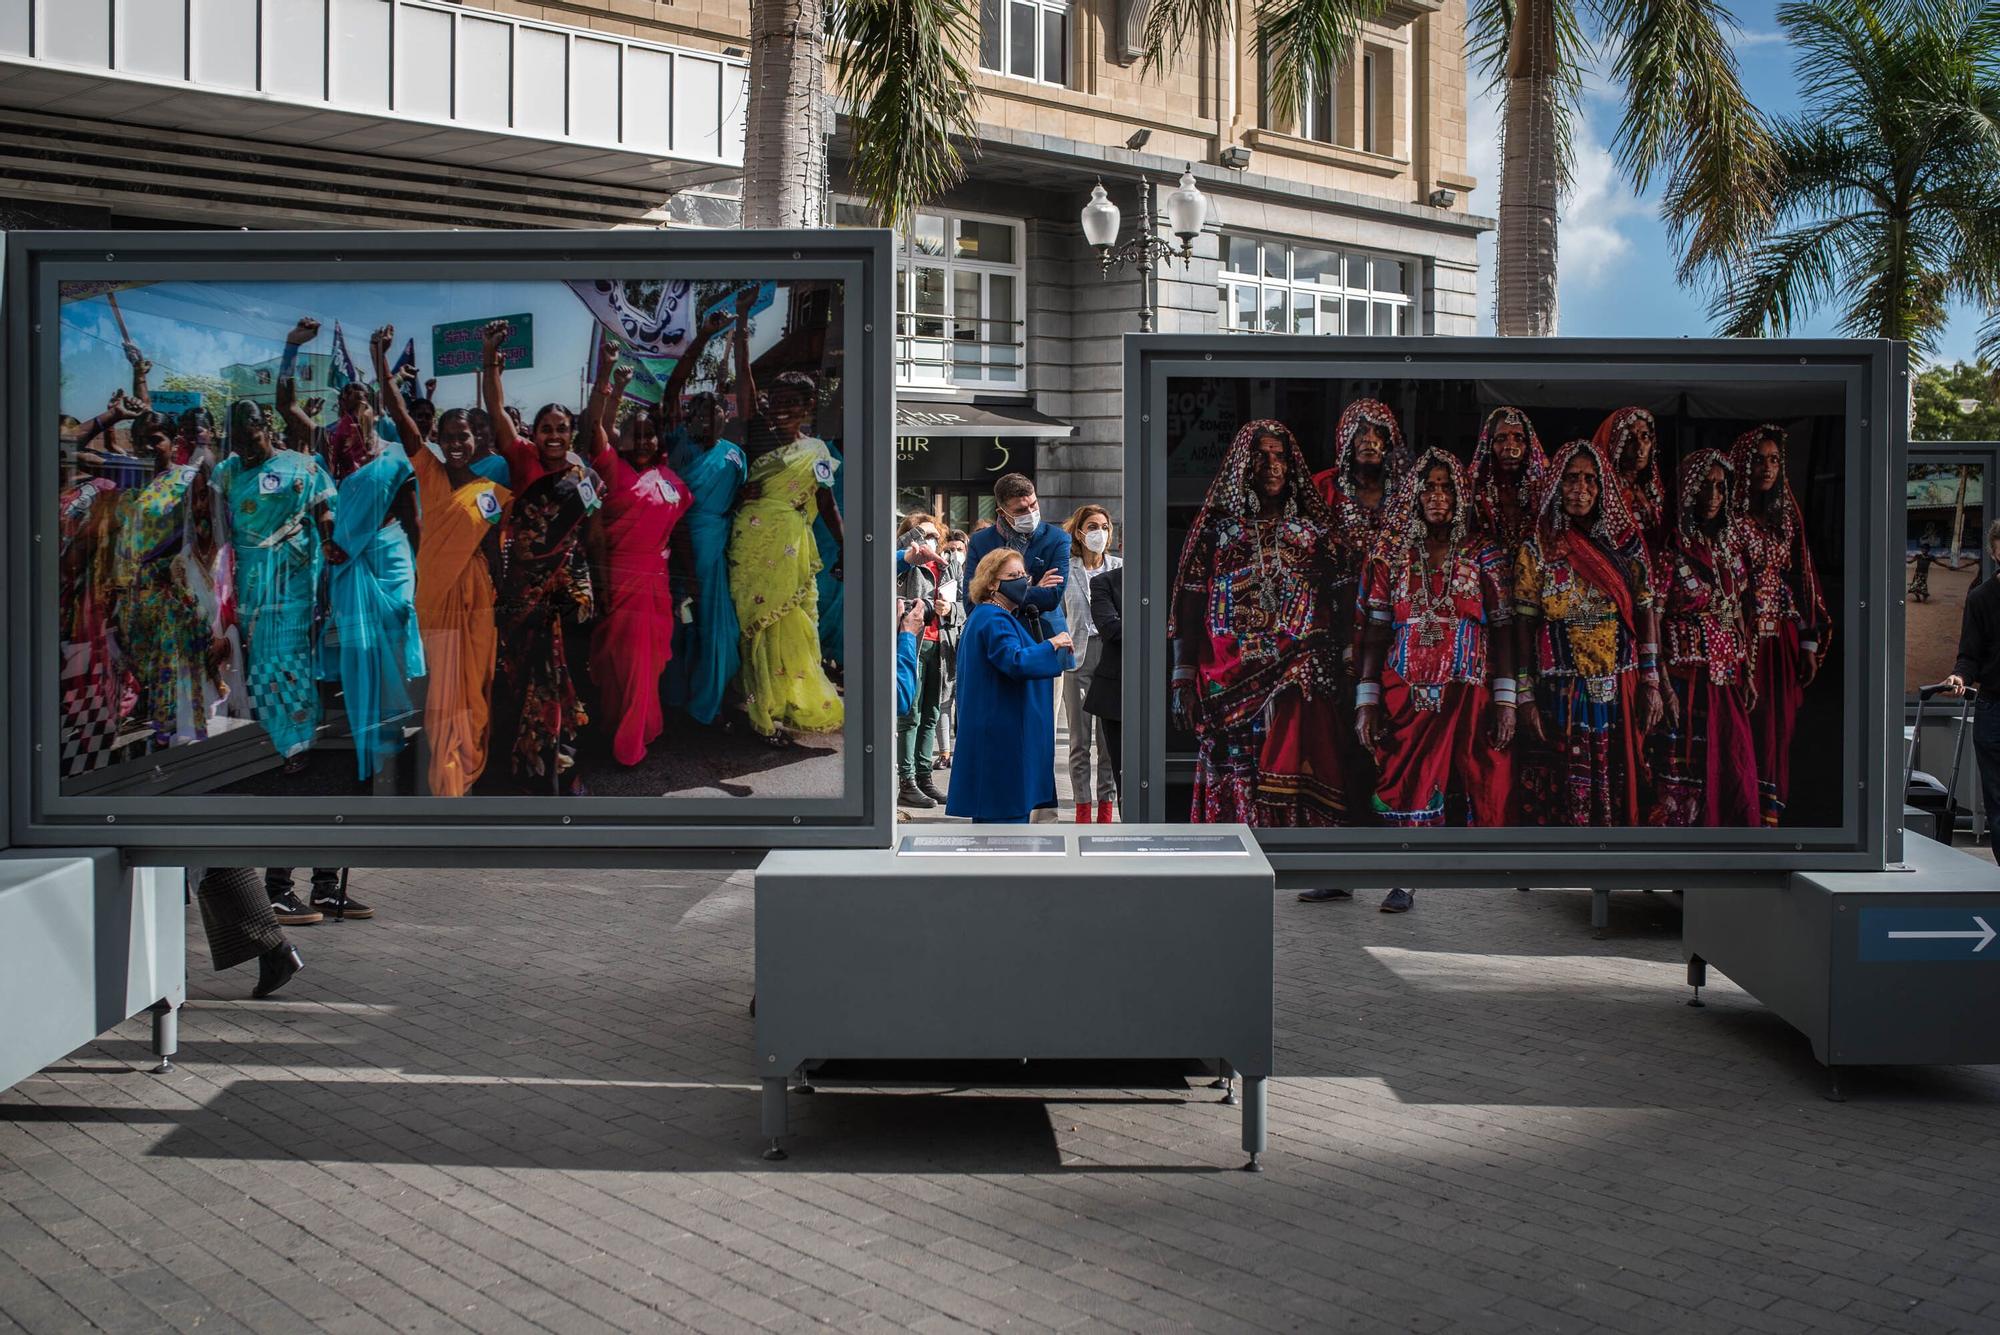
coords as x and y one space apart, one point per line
1506 602
508 586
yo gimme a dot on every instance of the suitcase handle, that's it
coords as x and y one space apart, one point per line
1925 693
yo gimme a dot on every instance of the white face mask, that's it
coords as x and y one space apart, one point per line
1097 539
1028 522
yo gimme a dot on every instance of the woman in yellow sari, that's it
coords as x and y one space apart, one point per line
456 556
773 562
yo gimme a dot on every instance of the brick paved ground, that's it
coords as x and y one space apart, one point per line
519 1102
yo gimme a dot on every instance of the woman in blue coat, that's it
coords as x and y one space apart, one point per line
1005 763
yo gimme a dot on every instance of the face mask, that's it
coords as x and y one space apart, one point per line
1015 589
1097 539
1028 522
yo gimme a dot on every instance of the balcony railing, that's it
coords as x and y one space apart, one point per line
440 64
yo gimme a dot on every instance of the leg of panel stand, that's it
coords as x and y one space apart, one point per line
1223 1081
1253 1121
1600 912
1697 978
1833 1094
774 1114
166 1035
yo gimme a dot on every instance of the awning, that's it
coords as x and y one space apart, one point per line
1007 420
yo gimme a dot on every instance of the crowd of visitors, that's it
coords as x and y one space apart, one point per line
1008 625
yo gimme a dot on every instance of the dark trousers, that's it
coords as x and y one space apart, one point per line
236 916
278 881
1114 750
916 731
1986 746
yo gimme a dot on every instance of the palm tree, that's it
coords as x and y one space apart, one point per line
1686 121
1886 196
902 73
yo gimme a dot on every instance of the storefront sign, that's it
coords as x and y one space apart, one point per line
455 347
958 845
961 458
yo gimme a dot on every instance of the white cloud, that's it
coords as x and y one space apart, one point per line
1592 243
1749 37
1482 151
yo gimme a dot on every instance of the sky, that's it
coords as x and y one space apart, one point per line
201 327
1615 263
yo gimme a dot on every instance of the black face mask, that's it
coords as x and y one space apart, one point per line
1016 590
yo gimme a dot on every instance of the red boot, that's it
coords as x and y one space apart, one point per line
1083 813
1107 813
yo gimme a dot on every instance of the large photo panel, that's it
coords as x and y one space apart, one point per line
1504 602
404 542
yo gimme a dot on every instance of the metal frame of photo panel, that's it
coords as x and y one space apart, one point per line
1874 377
433 831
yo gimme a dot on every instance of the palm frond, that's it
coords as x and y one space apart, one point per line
1780 279
1300 42
902 64
1488 24
1170 23
1686 115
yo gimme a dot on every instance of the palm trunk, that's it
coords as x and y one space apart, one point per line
784 149
1530 179
1958 515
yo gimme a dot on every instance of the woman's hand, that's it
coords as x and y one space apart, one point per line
913 618
1530 723
1500 723
492 336
1808 668
1368 726
378 344
1650 709
305 331
335 553
1183 700
1061 640
621 376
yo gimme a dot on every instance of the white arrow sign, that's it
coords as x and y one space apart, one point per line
1984 936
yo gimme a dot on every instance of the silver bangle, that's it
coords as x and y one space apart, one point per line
1368 693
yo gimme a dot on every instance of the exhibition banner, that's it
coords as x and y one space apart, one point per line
1523 598
536 597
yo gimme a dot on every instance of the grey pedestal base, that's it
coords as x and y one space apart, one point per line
1890 968
86 944
884 955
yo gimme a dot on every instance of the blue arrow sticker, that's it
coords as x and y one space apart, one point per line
1931 934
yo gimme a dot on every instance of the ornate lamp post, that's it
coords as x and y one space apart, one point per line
1187 214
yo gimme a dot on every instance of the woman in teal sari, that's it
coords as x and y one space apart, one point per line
706 649
375 648
278 505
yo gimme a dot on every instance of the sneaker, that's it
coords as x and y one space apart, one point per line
929 789
337 905
1323 894
909 796
287 909
1399 901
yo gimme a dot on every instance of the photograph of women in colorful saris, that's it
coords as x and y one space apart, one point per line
378 578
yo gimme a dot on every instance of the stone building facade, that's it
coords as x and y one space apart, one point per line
1349 216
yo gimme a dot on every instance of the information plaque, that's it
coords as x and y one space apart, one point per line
956 845
1151 845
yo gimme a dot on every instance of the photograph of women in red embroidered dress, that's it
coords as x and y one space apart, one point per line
1256 666
1792 625
1704 762
1508 465
1438 608
1630 440
1623 631
1590 647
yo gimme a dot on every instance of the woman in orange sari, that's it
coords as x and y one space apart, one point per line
455 560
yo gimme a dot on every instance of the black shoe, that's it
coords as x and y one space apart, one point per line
909 796
287 909
1323 894
275 968
928 789
333 904
1399 901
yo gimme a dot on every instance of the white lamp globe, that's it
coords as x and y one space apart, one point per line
1187 209
1100 219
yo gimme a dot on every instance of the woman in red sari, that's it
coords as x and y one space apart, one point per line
1704 761
1256 665
1588 679
643 504
1789 609
1506 475
1630 440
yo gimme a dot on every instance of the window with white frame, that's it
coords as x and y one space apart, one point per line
1271 287
1318 115
1028 39
960 299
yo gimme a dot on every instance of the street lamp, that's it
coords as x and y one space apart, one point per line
1187 214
